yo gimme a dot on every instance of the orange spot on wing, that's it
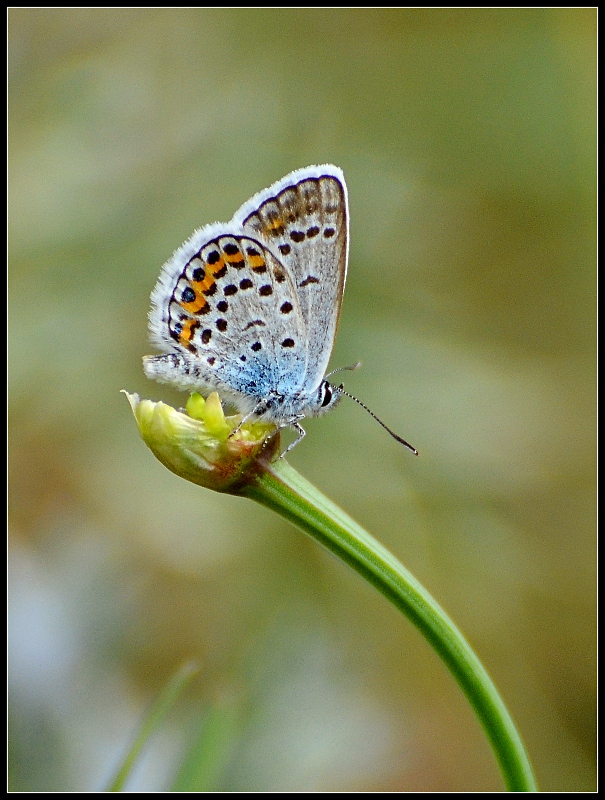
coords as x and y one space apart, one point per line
202 286
217 266
236 258
187 331
200 302
274 227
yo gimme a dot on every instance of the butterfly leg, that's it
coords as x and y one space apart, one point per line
259 408
300 430
247 417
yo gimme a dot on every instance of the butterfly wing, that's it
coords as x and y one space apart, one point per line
303 220
228 313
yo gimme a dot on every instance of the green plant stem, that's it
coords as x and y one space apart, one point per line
151 722
279 487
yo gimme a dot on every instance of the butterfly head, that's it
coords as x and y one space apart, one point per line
327 397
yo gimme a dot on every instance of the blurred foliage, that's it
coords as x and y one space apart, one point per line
468 140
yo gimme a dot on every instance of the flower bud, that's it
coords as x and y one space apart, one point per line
203 445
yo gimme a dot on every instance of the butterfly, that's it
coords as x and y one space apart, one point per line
250 307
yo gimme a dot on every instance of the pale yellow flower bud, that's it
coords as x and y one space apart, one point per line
203 445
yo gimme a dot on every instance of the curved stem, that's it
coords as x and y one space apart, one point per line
152 721
279 487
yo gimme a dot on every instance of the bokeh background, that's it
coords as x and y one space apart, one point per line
467 138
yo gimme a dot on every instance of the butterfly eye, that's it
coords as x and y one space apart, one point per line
326 389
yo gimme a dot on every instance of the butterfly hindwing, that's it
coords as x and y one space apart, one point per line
230 308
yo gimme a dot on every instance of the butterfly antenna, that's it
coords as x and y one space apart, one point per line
379 421
342 369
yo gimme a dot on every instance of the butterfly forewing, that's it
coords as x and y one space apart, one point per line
303 219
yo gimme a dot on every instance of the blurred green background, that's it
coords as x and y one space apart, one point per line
467 138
